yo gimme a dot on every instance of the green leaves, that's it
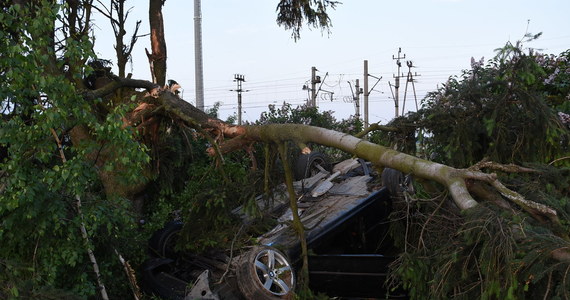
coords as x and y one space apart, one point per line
292 15
39 220
501 111
489 125
505 111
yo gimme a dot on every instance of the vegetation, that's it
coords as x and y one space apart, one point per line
511 110
497 111
83 158
293 14
90 165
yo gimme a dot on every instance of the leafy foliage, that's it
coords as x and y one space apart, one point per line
480 255
203 194
43 253
291 14
507 111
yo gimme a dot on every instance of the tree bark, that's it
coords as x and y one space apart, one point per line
157 57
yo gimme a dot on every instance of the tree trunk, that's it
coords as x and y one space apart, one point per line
157 57
119 35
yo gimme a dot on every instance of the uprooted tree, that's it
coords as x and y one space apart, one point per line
79 159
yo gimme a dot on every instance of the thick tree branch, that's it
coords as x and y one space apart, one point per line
482 190
119 82
452 178
376 126
197 118
535 209
509 168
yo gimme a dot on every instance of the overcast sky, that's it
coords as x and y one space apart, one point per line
242 37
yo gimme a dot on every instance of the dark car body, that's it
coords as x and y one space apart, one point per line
346 231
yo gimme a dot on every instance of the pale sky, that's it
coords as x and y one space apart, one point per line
242 37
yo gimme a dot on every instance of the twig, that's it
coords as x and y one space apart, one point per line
559 159
231 254
407 222
564 282
130 275
2 184
420 239
548 286
84 234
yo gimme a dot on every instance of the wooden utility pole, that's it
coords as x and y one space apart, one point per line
239 79
314 80
397 77
313 90
356 97
366 94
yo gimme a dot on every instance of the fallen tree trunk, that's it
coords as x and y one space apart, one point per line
232 137
453 179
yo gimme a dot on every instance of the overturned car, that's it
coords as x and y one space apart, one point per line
346 230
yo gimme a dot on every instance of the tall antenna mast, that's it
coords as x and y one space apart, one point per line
198 66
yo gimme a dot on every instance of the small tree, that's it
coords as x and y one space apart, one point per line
118 17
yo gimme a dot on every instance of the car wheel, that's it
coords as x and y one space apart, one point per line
307 165
265 273
163 241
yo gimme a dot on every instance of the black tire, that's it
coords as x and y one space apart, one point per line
393 179
265 273
306 165
162 243
227 291
154 283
